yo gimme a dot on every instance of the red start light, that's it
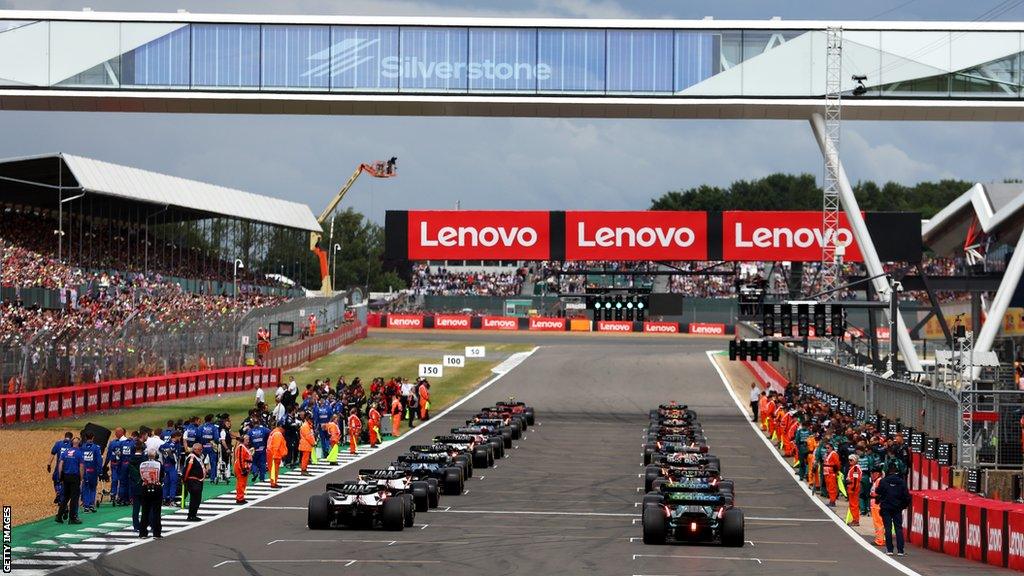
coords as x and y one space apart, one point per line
693 526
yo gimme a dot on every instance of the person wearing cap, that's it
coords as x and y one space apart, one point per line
853 478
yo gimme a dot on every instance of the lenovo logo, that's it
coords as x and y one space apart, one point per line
995 540
952 532
973 535
605 326
547 323
451 322
782 237
917 526
644 237
661 327
405 322
1016 544
705 328
934 527
487 236
499 323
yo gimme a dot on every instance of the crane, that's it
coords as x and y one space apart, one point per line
376 169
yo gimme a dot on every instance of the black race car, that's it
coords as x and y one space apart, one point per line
396 480
673 445
679 466
360 505
481 453
434 468
485 435
692 510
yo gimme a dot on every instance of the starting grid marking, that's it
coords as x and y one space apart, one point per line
46 562
110 537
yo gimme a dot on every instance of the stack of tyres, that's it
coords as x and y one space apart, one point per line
390 497
686 499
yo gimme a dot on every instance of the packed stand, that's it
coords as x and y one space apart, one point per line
427 280
569 277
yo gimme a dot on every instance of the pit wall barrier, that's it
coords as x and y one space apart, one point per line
310 349
540 324
942 518
83 399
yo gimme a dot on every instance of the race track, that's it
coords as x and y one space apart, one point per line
562 503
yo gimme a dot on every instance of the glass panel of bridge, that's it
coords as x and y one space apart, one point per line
707 62
781 62
24 53
434 60
225 56
85 54
364 58
296 57
155 55
640 61
861 57
985 64
504 60
915 63
576 59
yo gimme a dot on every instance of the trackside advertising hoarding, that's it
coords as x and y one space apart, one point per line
737 236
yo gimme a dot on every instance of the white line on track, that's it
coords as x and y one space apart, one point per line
347 561
758 560
388 542
835 519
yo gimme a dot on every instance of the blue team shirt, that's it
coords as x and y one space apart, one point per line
209 433
166 434
114 452
127 449
258 438
59 447
71 458
91 456
170 453
190 434
321 412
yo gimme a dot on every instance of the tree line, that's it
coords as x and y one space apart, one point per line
801 192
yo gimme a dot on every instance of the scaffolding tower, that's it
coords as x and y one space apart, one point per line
831 256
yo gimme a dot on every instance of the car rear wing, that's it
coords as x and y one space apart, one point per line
423 458
677 439
510 403
474 430
680 447
382 473
454 439
684 471
695 498
690 485
353 488
429 448
487 421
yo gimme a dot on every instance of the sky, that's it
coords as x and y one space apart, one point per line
519 163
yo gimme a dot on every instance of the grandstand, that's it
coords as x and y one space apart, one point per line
110 271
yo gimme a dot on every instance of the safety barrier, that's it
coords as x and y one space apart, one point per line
540 324
78 400
313 348
966 525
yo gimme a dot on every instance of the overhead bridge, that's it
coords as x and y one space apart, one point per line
251 64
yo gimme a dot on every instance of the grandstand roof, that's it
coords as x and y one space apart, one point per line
998 208
23 179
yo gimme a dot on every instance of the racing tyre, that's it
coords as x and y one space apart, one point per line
466 463
421 496
480 457
648 454
530 418
433 494
732 528
453 481
726 486
393 514
410 510
653 498
517 432
498 447
655 525
715 463
506 436
657 484
318 512
650 475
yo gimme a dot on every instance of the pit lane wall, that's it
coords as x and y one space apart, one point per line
80 400
541 324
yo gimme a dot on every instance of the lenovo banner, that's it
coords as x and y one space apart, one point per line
405 321
478 235
543 323
707 328
636 236
774 236
661 327
614 326
449 322
499 323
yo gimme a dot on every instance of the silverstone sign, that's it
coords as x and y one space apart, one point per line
734 236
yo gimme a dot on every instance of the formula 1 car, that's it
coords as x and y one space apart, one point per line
458 457
678 466
673 445
692 511
361 505
482 453
399 481
656 433
673 410
515 425
517 408
500 426
437 468
485 435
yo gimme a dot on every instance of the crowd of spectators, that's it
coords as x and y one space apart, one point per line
427 280
568 277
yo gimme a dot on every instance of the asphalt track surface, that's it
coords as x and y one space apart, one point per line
563 502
